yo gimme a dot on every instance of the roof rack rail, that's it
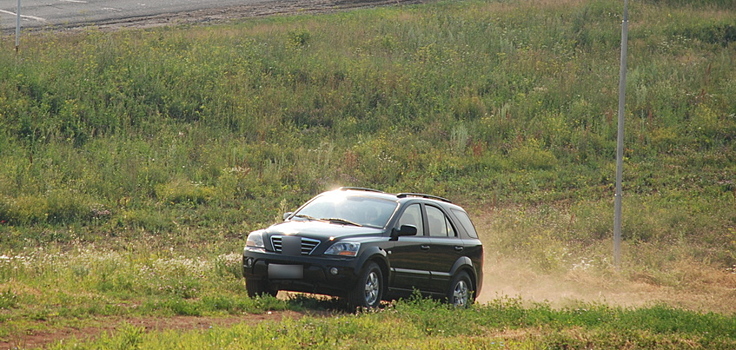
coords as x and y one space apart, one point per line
423 195
359 189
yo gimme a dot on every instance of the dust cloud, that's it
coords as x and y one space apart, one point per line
707 292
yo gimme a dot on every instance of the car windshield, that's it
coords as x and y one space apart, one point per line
348 210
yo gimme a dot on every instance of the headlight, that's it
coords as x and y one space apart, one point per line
343 249
255 241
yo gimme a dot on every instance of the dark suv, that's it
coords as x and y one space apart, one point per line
366 246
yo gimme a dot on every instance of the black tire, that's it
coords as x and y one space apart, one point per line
461 293
259 287
368 291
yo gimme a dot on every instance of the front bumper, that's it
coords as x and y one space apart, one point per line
321 275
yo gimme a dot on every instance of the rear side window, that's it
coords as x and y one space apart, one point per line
439 225
465 222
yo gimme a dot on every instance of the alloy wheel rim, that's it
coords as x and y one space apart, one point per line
372 286
461 294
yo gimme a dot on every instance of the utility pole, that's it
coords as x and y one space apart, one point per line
620 140
17 28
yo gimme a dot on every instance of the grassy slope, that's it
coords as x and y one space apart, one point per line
134 162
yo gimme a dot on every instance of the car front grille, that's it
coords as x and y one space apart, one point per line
307 244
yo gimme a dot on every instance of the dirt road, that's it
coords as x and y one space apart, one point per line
150 16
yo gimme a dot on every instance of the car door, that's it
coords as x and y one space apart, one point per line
409 254
446 247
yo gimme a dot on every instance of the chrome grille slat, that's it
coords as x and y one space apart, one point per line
307 244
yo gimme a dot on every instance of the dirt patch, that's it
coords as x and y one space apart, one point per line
36 339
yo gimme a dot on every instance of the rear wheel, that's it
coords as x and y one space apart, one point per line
368 292
259 287
461 293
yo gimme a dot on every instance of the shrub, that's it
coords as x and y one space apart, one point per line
183 191
24 210
154 221
531 156
66 207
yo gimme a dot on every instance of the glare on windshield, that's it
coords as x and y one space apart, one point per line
341 209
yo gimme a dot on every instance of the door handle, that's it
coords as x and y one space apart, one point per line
459 248
424 247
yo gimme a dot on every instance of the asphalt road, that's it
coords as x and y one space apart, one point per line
56 13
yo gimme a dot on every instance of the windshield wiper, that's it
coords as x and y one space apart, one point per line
304 216
341 221
332 220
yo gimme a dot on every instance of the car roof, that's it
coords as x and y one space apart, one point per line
396 197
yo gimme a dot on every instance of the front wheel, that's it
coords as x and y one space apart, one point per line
259 287
368 292
461 293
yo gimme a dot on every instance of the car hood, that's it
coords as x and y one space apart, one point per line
321 230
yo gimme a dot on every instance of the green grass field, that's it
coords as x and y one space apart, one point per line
134 163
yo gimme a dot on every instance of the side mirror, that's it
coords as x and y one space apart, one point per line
405 230
286 215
